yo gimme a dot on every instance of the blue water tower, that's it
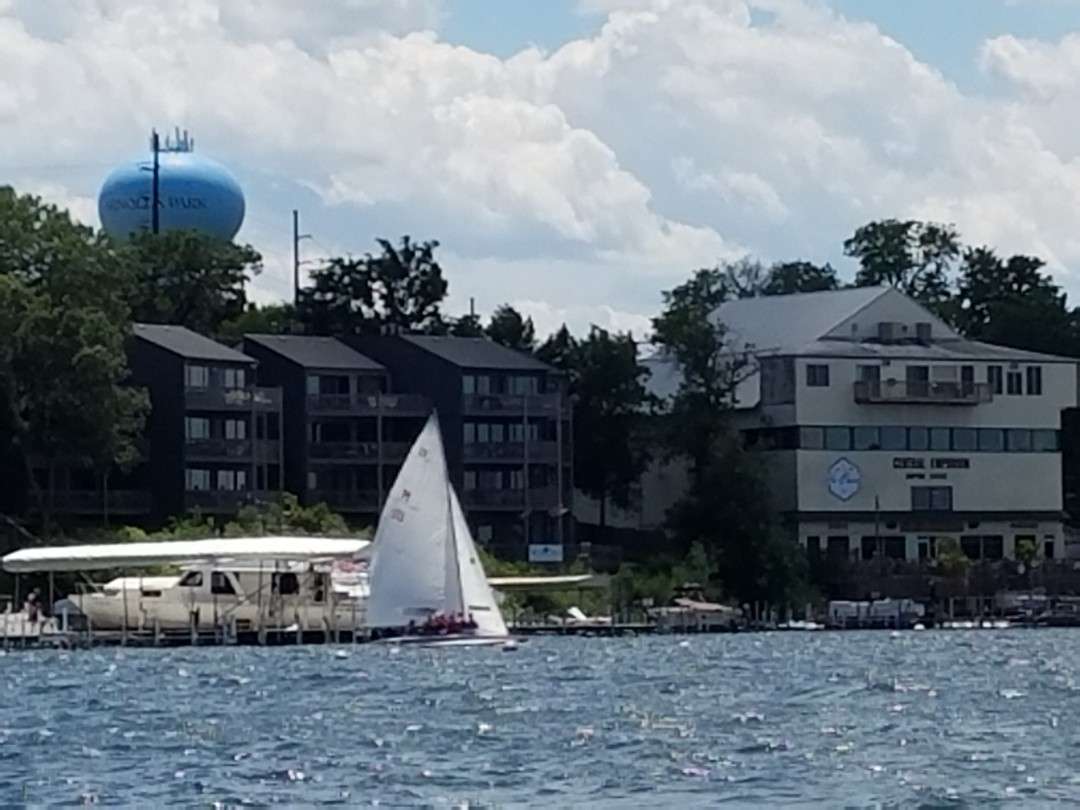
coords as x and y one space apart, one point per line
194 193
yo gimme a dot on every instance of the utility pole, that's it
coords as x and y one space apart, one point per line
296 237
155 186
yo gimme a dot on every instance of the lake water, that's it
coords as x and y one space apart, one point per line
934 719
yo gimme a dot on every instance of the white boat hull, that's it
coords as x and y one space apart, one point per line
448 641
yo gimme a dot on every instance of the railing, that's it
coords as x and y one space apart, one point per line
218 448
267 450
922 392
363 500
511 451
357 451
224 500
539 498
370 404
118 501
515 404
217 398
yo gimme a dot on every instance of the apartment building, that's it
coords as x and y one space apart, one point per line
213 436
506 427
346 431
884 430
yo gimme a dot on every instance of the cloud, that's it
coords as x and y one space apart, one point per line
579 182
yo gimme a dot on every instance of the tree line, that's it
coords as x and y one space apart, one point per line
69 294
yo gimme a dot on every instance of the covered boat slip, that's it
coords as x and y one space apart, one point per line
258 589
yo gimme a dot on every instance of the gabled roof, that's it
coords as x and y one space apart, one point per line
478 353
190 345
313 352
786 323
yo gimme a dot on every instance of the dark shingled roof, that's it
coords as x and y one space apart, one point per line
317 352
187 344
476 352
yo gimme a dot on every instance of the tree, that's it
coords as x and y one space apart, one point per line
509 328
786 278
558 350
268 319
608 386
189 279
466 326
1002 301
915 257
398 291
689 333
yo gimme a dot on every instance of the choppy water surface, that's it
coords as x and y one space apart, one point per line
852 719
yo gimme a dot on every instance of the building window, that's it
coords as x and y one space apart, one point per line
470 432
498 433
994 378
817 376
232 480
1034 381
939 439
1018 440
517 479
483 433
893 438
470 480
811 438
235 428
518 432
836 547
196 480
196 427
1014 383
919 438
234 378
524 385
837 438
485 533
964 439
991 440
1045 441
967 380
196 376
1048 547
476 384
866 438
869 374
931 499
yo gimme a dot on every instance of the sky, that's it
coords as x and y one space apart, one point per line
574 158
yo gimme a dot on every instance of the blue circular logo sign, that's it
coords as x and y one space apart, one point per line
845 480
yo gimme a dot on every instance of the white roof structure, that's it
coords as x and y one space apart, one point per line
136 555
548 583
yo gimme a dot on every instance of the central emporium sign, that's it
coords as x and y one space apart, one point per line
917 463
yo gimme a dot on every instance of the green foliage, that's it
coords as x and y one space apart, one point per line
189 279
786 278
400 290
283 515
559 350
951 559
268 319
1026 551
466 326
509 328
915 257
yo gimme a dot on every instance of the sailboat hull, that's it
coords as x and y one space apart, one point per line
447 641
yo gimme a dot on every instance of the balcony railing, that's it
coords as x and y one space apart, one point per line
357 451
348 500
268 451
91 502
539 498
369 404
223 399
539 452
225 500
218 448
512 404
916 392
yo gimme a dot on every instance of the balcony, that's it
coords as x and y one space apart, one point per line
539 498
899 392
229 399
512 404
539 452
211 449
93 502
224 500
369 404
345 500
268 451
357 451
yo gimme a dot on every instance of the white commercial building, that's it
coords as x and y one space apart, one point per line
885 430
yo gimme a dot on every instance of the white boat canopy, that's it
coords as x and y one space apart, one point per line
175 552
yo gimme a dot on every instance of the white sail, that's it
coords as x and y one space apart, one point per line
476 593
409 563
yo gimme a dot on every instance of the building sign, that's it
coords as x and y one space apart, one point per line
845 480
913 463
552 553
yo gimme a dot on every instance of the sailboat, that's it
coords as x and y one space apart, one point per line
425 563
